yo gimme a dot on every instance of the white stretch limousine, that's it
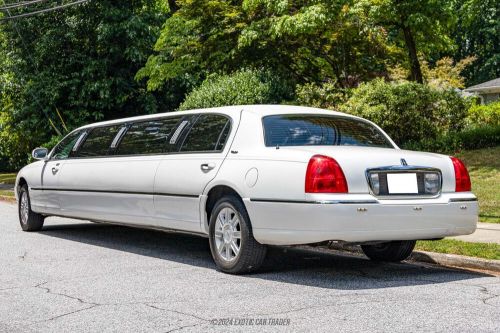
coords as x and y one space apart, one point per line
251 176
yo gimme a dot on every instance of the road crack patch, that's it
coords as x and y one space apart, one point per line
51 292
175 311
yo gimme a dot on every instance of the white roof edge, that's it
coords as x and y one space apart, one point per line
261 109
224 109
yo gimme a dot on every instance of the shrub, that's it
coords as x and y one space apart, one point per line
14 145
327 95
479 115
242 87
408 111
472 138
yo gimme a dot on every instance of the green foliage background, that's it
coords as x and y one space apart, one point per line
240 88
109 59
408 111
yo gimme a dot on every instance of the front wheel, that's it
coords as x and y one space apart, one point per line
232 244
389 251
30 221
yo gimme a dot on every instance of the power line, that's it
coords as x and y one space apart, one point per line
20 4
43 10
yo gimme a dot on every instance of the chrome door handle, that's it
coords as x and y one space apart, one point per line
207 166
54 170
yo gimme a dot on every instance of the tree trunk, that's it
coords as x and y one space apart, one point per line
173 6
416 71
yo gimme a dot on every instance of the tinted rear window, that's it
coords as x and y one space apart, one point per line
320 130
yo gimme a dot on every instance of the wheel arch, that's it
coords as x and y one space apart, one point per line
22 181
213 194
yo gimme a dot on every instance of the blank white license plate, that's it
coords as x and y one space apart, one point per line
402 183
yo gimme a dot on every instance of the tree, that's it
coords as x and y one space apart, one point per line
306 41
445 74
478 34
423 26
197 39
319 41
78 65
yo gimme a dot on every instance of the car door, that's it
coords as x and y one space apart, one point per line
183 175
93 185
112 180
46 196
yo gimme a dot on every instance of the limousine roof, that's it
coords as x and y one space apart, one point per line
232 111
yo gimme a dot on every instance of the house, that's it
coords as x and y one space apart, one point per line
488 91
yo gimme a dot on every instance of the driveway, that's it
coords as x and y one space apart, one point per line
78 277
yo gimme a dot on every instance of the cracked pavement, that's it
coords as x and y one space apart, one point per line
78 276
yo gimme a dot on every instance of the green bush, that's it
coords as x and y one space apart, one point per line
15 147
408 111
479 115
326 95
243 87
472 138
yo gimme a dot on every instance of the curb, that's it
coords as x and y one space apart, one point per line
442 259
454 260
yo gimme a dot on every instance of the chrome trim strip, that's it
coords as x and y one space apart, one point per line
79 141
115 192
317 202
462 199
404 169
118 136
178 131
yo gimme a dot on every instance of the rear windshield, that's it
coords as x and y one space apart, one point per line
321 130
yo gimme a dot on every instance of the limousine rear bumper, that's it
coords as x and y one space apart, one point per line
280 222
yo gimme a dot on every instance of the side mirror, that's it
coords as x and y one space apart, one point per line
39 153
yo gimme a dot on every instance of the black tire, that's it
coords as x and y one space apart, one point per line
389 251
30 221
251 253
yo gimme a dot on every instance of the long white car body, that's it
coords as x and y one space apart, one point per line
263 174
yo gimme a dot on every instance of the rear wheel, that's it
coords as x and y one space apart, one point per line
232 244
389 251
29 220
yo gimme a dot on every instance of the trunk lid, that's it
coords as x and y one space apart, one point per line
355 161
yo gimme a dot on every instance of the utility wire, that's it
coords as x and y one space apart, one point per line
42 11
20 4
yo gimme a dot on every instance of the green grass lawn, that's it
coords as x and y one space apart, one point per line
452 246
10 179
7 178
6 193
484 169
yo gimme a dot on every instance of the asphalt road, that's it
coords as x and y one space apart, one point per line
76 276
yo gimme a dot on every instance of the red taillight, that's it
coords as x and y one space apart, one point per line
324 175
462 179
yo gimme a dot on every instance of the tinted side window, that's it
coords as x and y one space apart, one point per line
209 133
98 141
149 137
63 149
